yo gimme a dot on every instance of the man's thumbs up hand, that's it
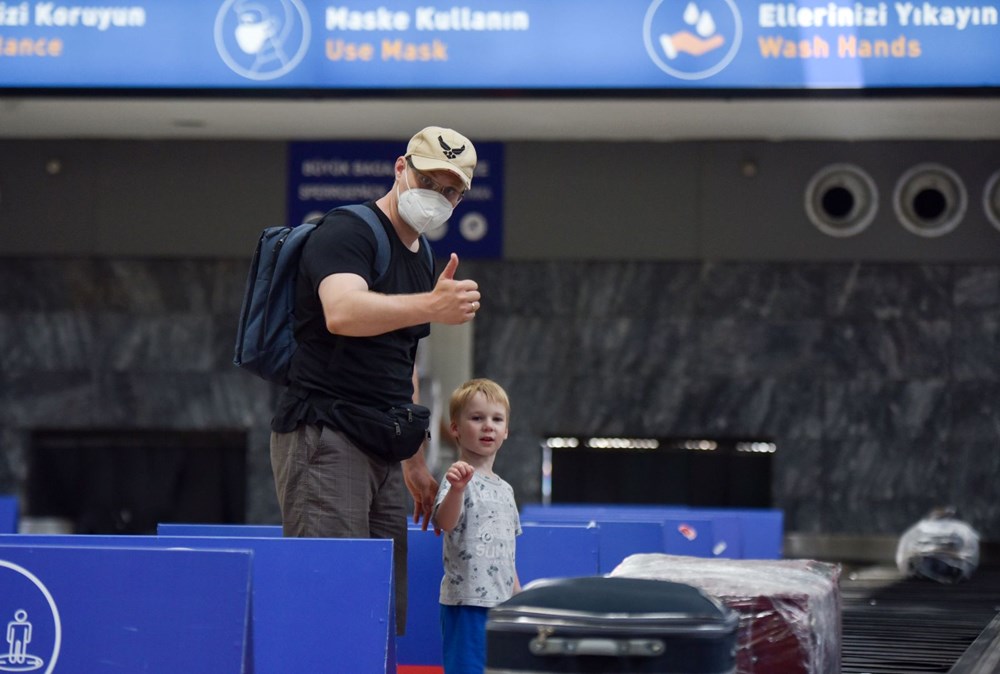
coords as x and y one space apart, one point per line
454 302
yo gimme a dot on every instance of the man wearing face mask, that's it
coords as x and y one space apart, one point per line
357 343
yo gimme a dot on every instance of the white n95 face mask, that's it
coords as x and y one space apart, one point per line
423 210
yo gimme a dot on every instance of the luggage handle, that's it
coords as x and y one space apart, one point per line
543 644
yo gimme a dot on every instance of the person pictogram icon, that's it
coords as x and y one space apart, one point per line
17 658
18 637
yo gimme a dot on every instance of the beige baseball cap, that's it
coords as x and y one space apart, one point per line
438 149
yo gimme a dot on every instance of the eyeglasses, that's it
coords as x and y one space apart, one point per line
452 194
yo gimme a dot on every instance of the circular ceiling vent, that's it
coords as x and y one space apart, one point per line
841 200
991 199
930 200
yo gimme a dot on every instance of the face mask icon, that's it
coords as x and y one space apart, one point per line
261 39
252 32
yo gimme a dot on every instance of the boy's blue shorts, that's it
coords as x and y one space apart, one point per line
463 630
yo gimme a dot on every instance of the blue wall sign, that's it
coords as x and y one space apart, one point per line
324 175
501 44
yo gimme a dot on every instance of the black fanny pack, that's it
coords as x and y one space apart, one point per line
393 435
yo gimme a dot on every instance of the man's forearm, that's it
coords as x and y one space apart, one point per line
366 313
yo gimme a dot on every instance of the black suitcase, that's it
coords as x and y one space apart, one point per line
611 626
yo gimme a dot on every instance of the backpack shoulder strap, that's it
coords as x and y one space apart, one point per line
384 249
426 244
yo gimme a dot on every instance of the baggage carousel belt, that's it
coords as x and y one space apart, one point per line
897 625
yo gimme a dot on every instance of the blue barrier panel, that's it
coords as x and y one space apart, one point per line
224 530
556 551
8 515
738 533
121 609
728 534
422 643
763 532
681 533
689 536
760 530
618 540
318 604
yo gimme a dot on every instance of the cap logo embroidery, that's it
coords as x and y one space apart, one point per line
448 151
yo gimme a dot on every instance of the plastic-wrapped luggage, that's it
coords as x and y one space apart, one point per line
606 625
940 547
789 610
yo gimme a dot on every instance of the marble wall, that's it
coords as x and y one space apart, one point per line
126 343
877 382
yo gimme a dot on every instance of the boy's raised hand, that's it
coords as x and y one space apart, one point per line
459 474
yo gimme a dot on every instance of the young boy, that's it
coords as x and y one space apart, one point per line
477 512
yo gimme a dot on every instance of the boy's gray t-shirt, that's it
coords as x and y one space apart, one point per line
479 553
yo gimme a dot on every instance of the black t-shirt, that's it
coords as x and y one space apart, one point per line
375 371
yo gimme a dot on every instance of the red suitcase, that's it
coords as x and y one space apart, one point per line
789 610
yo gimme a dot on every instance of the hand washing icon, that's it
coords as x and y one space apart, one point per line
692 39
17 658
685 41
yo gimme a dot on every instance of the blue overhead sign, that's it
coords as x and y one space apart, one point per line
324 175
379 45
